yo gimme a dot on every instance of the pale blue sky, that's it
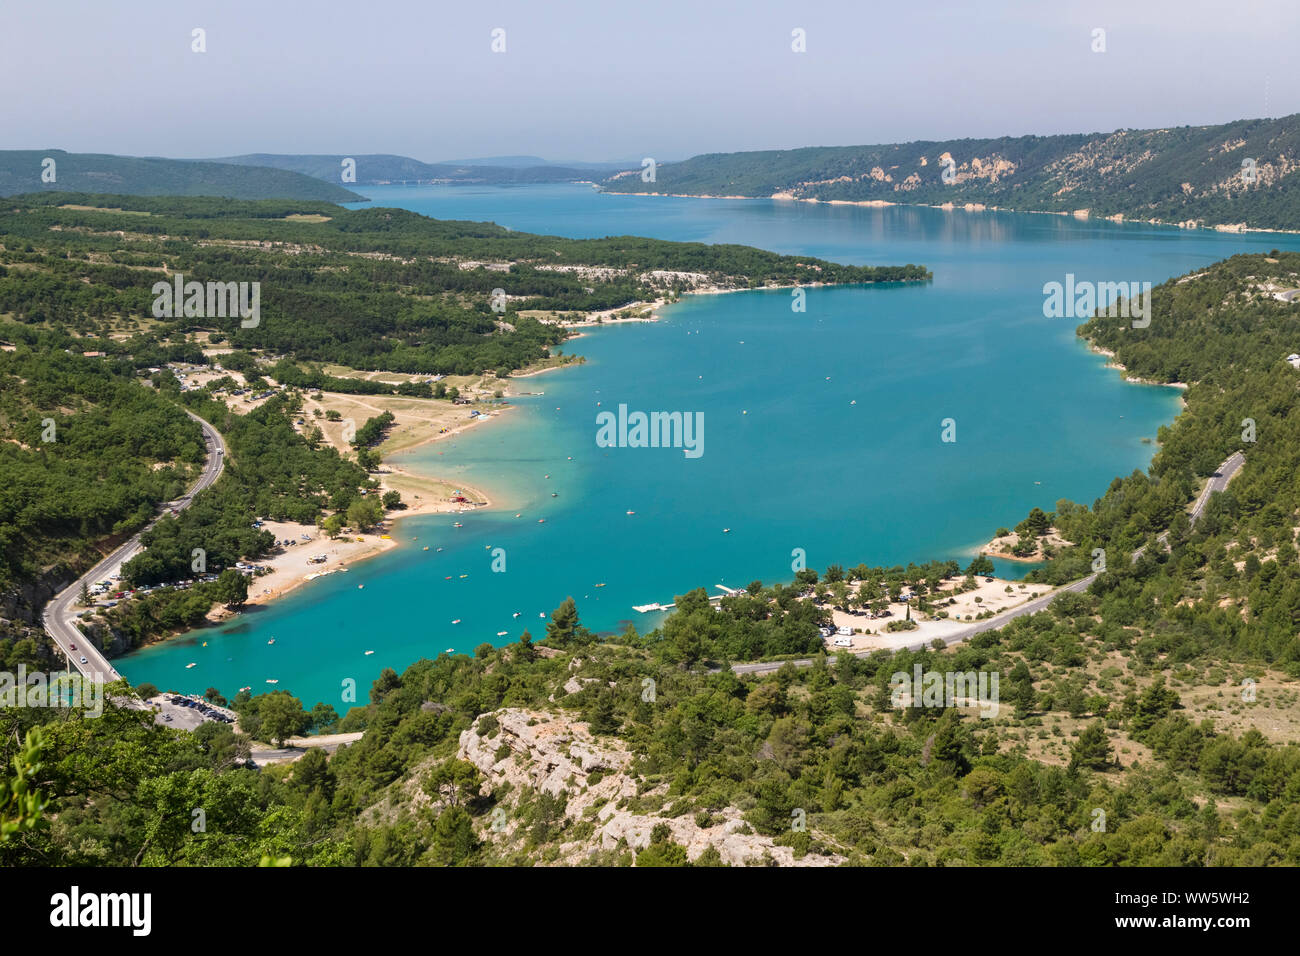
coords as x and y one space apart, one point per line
619 80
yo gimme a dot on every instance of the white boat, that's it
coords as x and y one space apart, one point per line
368 653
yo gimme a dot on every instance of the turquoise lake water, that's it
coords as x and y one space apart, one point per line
789 460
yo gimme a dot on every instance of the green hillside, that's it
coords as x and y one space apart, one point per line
21 172
1169 175
386 168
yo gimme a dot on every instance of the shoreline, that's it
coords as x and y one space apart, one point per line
1238 228
1133 379
385 539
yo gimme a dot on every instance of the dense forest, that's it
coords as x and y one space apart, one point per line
1169 175
87 453
28 170
374 289
387 168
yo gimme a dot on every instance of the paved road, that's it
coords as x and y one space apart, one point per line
59 618
1218 481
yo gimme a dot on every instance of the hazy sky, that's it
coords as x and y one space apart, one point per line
619 79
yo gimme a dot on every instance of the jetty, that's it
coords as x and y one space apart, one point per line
715 600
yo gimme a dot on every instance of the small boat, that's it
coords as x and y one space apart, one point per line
570 458
555 494
188 666
854 402
541 614
464 575
368 653
426 547
205 643
726 531
541 521
440 549
547 476
631 512
519 516
447 578
450 650
249 687
458 525
271 641
457 621
271 680
360 586
502 633
516 614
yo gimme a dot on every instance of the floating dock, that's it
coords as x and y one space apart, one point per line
715 599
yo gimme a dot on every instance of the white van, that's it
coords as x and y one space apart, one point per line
843 642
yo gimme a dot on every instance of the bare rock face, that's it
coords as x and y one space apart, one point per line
544 751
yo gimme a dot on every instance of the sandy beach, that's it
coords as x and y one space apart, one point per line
291 566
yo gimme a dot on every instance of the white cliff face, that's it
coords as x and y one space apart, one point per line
559 755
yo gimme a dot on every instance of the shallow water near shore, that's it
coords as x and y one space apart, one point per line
822 432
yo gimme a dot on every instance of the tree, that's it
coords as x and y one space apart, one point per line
232 588
453 842
391 500
981 565
1036 524
1092 749
364 513
323 716
564 628
454 782
282 716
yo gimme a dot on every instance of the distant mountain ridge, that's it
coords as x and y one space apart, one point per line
1231 175
21 171
379 168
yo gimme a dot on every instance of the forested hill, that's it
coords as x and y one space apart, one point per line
387 168
25 171
375 289
1169 175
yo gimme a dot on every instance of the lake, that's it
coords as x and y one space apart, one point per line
822 433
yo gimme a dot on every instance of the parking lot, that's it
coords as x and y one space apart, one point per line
187 713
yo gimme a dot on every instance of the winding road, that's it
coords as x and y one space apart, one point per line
1218 481
59 618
